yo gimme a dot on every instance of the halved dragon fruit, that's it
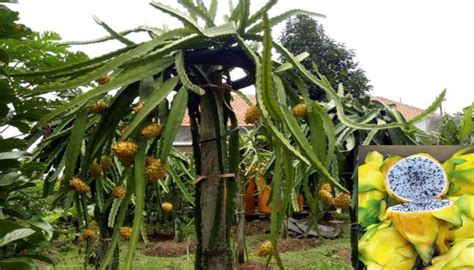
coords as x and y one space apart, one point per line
425 224
424 220
415 178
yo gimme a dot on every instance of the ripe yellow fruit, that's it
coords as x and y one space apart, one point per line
299 111
103 79
265 249
342 200
99 107
119 192
106 162
125 152
326 197
383 247
139 107
252 115
89 234
327 187
95 170
167 207
427 229
151 131
154 170
79 186
125 232
150 160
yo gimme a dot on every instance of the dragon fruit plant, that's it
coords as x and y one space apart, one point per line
417 207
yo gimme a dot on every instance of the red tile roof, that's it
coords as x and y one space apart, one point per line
407 111
240 106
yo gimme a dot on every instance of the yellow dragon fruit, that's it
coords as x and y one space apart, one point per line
465 204
425 224
388 162
460 170
460 256
371 190
383 247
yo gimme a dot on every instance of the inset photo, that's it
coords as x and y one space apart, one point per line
416 207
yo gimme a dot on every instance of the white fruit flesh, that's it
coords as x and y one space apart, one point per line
417 178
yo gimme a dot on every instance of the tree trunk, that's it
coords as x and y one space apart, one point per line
104 240
214 249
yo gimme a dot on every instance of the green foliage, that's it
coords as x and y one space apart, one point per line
195 60
38 51
139 180
114 33
22 209
174 121
151 103
30 53
334 60
457 130
202 12
10 27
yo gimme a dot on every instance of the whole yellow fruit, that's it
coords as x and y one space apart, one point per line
167 207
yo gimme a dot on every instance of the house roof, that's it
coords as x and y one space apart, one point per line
240 107
408 111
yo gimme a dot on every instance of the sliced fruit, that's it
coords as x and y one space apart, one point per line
388 162
416 178
425 224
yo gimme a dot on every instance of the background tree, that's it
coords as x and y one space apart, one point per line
23 228
334 60
31 52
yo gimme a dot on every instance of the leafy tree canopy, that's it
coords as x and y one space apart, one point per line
334 60
22 227
30 52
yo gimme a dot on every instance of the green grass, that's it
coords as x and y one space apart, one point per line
321 257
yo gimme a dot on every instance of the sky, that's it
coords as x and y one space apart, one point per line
410 50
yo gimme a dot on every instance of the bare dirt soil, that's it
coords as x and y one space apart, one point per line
169 248
255 227
344 255
252 266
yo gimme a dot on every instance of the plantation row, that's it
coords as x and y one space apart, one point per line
94 164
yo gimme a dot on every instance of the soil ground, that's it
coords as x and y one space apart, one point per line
162 245
253 266
163 253
170 248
